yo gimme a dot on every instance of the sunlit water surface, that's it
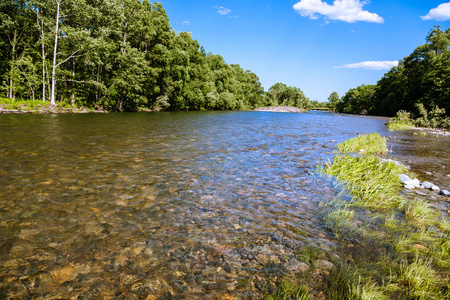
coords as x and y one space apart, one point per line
188 205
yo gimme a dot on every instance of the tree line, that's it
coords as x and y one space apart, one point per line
420 81
119 55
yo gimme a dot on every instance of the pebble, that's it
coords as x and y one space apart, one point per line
420 247
420 193
445 193
324 265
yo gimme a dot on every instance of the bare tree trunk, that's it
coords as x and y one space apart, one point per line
43 61
52 98
73 84
13 59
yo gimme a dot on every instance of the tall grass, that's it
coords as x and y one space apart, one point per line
372 183
394 247
17 104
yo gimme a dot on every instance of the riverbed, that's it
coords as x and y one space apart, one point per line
188 205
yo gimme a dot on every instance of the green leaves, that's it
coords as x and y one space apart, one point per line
119 54
284 95
421 77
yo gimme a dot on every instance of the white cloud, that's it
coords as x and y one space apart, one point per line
440 13
186 22
222 10
371 65
342 10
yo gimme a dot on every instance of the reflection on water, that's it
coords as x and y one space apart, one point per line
163 204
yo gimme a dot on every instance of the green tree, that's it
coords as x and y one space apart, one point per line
358 101
421 77
284 95
119 55
333 100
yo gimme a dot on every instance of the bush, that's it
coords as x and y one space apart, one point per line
430 119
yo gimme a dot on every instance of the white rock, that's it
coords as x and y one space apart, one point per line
413 182
426 185
409 187
435 188
404 178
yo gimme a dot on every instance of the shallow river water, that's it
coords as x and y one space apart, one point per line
172 205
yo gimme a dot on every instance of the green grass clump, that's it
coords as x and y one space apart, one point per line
367 143
399 126
19 104
373 183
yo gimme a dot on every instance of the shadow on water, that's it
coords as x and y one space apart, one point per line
166 204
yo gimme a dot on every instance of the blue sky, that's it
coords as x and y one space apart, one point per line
319 46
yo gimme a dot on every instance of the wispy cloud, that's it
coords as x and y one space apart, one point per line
342 10
186 23
440 13
371 65
223 10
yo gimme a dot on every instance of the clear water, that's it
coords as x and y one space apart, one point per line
166 205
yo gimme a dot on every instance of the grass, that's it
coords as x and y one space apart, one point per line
288 290
399 126
393 246
6 103
40 106
374 184
366 143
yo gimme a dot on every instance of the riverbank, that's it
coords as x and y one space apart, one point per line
8 106
55 110
394 243
42 107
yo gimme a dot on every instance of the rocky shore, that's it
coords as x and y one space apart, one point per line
280 109
436 131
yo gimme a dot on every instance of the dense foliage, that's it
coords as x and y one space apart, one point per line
283 95
119 55
421 77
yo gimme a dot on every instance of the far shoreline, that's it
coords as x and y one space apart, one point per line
289 109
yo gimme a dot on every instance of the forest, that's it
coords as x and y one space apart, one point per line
420 81
119 55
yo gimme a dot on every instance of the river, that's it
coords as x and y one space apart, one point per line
188 205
